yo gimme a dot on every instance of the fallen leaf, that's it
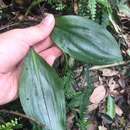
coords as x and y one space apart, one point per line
92 126
98 94
2 4
109 72
119 111
102 128
113 85
128 39
92 107
121 82
70 120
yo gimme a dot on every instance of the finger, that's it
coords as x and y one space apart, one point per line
15 44
39 32
41 46
51 54
10 90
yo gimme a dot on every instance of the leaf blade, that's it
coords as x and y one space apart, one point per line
111 107
85 40
40 90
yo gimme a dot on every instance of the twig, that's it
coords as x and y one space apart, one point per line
110 65
8 26
21 115
23 23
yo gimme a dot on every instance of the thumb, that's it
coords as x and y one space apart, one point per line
39 32
15 44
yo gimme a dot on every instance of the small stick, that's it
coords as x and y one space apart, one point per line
110 65
8 26
21 115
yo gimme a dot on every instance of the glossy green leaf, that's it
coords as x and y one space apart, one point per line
111 107
41 93
85 40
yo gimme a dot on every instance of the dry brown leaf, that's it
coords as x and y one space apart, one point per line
119 111
102 128
92 107
2 4
70 120
113 85
121 82
92 126
76 7
98 94
109 72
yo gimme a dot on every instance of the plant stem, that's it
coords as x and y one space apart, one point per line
86 94
110 65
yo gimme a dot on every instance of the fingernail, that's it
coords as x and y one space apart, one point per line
48 19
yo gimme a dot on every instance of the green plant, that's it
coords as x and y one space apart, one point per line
92 7
56 4
86 94
89 8
87 42
83 45
123 7
41 93
100 11
42 90
111 107
12 125
68 81
83 8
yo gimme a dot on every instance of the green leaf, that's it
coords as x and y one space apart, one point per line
41 93
76 100
124 8
111 107
92 8
85 40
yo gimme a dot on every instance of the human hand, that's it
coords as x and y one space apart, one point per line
14 46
